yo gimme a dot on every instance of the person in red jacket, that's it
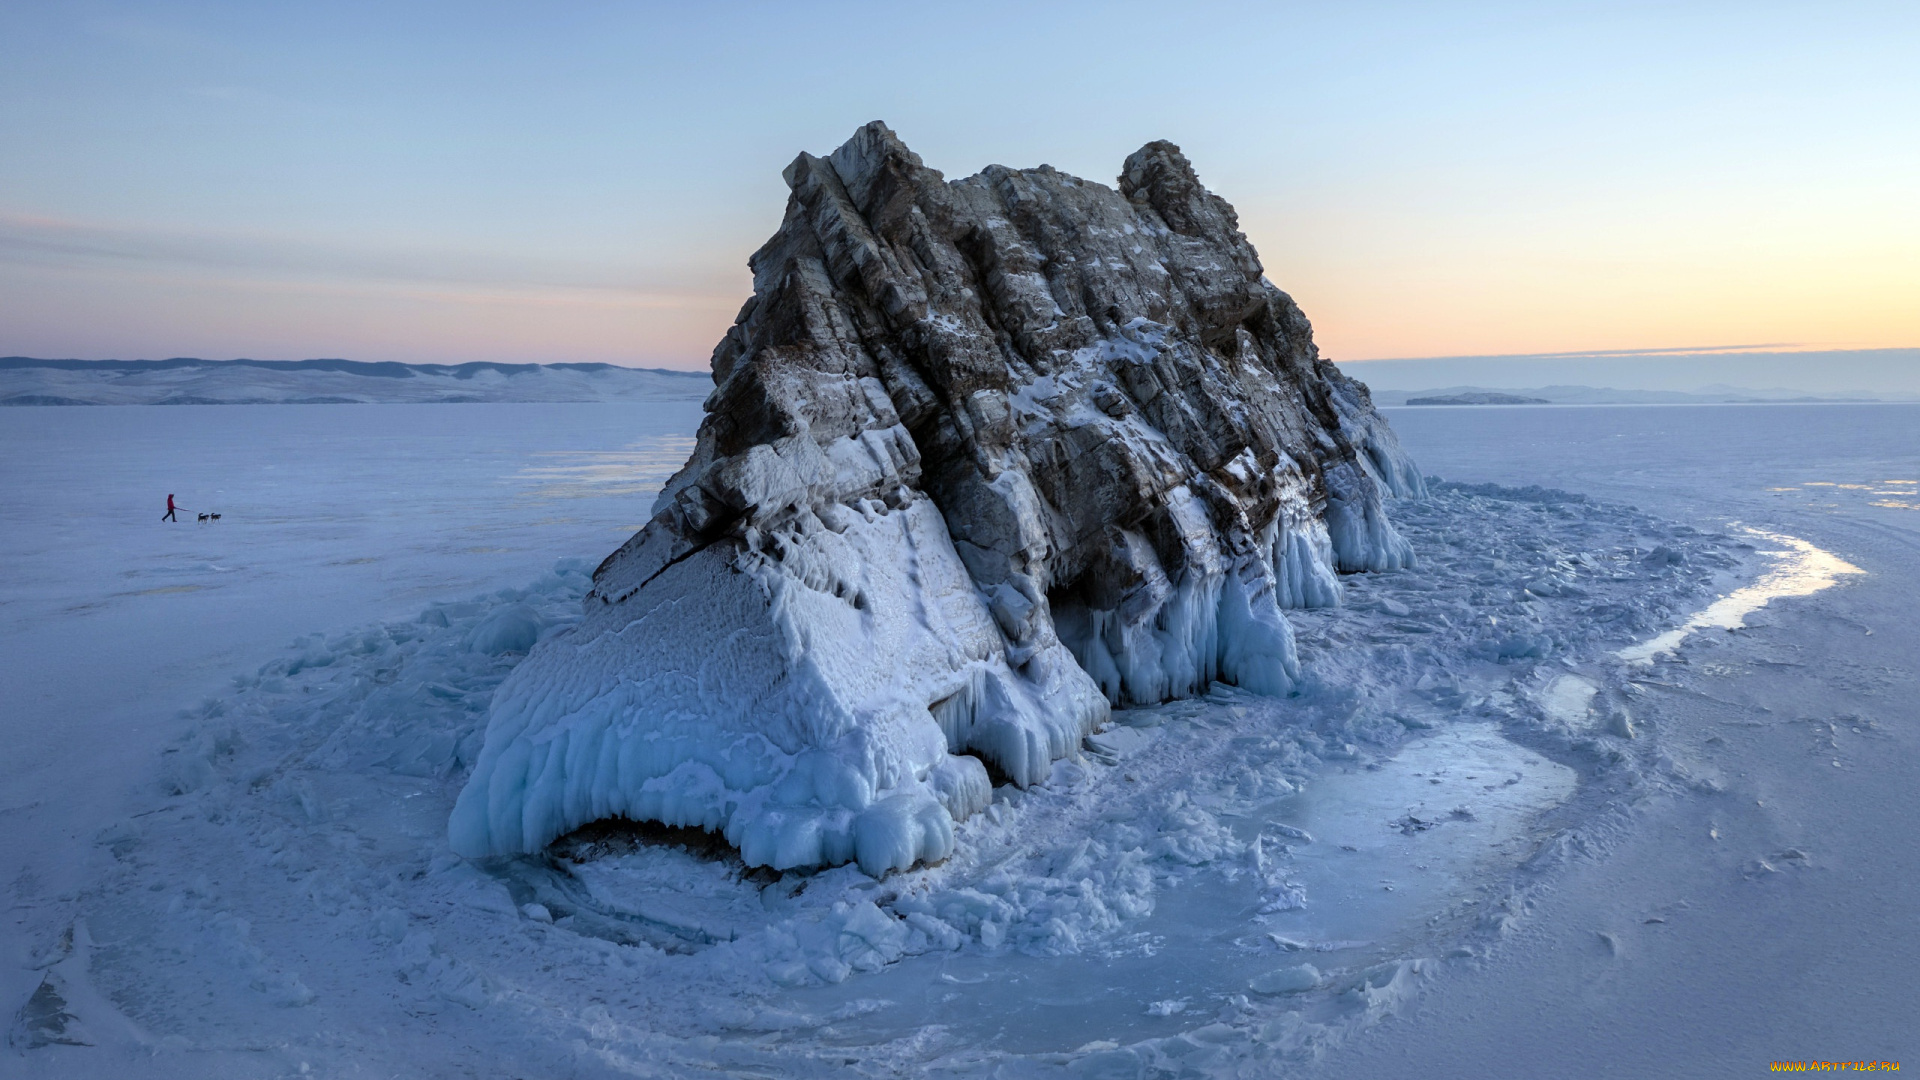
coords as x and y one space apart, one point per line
168 516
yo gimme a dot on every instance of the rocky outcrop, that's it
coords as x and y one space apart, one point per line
984 458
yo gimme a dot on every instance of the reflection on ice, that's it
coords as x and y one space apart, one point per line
1801 570
637 470
1569 699
1899 489
1376 861
1396 846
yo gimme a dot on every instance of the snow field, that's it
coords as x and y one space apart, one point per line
294 855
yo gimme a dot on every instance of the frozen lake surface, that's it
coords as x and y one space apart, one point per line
1479 834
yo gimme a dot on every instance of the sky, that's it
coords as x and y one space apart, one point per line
584 182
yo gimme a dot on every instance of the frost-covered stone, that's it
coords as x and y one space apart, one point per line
983 459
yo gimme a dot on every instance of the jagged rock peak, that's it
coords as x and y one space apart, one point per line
983 459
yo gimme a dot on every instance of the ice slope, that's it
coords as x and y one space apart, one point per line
27 381
984 459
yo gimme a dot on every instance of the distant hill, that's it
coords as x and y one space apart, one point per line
25 380
1478 397
1717 373
1600 395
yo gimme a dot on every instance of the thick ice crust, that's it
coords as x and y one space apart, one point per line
800 695
983 458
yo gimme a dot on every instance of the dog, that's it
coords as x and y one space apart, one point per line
216 517
204 517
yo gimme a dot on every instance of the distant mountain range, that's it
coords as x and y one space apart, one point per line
1599 395
190 381
25 380
1658 376
1477 397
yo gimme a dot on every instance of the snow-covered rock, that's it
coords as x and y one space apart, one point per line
983 459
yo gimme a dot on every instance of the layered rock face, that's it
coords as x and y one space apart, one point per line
983 460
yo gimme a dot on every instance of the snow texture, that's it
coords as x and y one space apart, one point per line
984 460
273 895
307 797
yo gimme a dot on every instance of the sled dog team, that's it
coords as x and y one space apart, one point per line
172 509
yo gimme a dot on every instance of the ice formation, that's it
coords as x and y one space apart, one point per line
983 459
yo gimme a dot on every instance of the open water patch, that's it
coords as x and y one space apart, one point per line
1799 569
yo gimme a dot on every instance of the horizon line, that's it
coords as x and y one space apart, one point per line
1774 348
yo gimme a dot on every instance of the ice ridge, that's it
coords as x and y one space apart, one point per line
983 460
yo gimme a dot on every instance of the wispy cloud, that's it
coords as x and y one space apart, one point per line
281 261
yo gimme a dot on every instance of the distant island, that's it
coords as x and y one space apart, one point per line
25 380
1717 394
1479 397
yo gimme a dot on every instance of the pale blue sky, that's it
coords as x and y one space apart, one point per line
584 181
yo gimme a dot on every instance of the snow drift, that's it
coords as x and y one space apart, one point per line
983 460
